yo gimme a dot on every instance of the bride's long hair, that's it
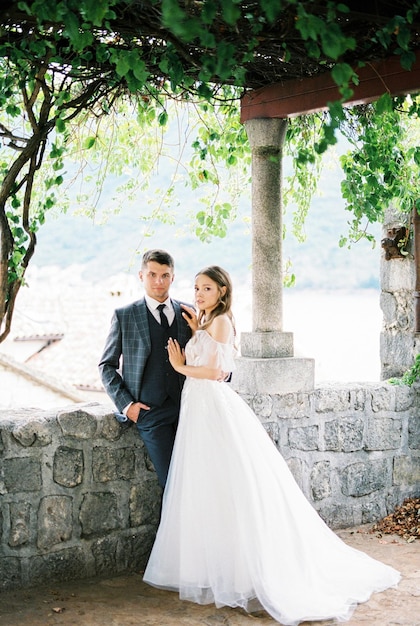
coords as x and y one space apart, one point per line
223 307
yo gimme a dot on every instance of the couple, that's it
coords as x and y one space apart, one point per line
235 528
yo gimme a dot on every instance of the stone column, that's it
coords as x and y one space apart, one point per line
266 138
267 364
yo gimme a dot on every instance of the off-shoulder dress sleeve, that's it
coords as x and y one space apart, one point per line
203 350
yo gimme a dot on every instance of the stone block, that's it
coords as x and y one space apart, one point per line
373 511
292 406
414 432
68 564
396 353
19 523
99 513
33 433
321 480
68 466
299 470
398 310
383 398
383 434
55 521
10 573
398 274
273 431
337 515
262 405
388 306
405 398
134 549
332 400
104 551
271 376
111 429
268 344
344 435
406 470
304 437
145 499
112 464
77 423
362 478
22 474
359 399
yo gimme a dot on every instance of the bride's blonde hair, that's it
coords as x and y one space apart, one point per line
222 279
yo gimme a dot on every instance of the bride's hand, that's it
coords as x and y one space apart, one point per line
175 353
190 316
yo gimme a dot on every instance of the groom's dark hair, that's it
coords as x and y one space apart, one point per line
159 256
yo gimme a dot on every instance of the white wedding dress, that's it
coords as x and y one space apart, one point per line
236 530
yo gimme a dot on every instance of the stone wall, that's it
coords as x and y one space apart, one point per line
354 449
79 497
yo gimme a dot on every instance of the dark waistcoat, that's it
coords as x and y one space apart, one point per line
160 380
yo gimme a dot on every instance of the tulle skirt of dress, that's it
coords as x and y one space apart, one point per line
237 531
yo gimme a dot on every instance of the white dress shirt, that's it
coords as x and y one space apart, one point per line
153 304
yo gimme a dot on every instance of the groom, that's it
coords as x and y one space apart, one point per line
147 390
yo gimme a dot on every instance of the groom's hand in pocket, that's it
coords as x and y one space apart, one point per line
134 409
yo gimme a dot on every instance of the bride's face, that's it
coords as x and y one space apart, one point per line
207 293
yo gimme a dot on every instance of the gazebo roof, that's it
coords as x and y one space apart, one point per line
140 21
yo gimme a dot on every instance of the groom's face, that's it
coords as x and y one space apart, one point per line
157 280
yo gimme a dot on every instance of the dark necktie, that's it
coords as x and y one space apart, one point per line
163 319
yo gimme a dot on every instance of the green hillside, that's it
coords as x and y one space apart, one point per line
105 249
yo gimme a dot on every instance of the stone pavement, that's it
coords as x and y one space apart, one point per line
127 601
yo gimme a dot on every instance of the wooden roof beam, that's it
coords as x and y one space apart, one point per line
308 95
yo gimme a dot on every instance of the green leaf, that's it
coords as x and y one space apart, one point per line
60 125
163 118
122 65
72 27
12 110
384 104
416 156
139 70
230 12
89 142
313 49
407 59
309 26
273 8
209 12
201 216
342 73
96 11
334 44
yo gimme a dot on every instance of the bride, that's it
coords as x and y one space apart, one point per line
236 530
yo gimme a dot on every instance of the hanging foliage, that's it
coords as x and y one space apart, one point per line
64 63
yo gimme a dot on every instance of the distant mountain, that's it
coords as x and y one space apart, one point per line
105 249
96 269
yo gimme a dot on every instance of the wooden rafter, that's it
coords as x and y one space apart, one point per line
307 95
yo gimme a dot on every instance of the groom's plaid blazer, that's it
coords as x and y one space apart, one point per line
127 349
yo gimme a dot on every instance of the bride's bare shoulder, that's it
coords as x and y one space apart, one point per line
220 328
